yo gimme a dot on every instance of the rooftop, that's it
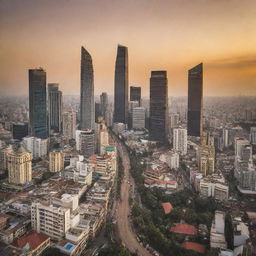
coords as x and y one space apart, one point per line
33 238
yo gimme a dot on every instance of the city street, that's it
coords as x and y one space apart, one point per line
127 235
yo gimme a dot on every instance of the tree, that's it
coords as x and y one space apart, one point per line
229 231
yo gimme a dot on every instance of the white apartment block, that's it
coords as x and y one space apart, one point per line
180 140
172 159
36 146
50 220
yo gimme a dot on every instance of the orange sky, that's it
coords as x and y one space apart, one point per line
171 35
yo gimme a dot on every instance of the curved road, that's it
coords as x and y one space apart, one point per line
127 235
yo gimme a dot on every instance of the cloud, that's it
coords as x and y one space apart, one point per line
247 61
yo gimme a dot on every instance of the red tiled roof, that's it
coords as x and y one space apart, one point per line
167 207
149 182
184 229
34 240
200 248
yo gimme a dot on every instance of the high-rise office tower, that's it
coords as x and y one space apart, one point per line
195 98
158 106
38 124
97 112
180 142
69 124
135 94
104 104
19 166
55 107
121 85
87 108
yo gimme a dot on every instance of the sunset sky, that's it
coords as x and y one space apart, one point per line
172 35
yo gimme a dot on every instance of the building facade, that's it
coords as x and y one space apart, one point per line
55 108
56 161
135 94
180 141
38 124
69 124
121 86
50 220
158 106
38 147
195 100
87 107
138 118
19 167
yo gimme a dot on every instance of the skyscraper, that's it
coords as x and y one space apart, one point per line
180 140
69 124
121 85
38 124
104 104
55 107
135 94
158 106
87 108
195 97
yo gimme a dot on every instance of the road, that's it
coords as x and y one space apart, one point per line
127 235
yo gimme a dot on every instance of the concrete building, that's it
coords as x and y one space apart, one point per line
104 105
138 118
253 135
38 147
118 127
217 236
243 149
195 100
180 140
87 107
245 173
158 127
171 158
19 166
174 120
85 142
50 220
103 140
69 124
4 157
56 161
38 124
121 86
55 108
214 186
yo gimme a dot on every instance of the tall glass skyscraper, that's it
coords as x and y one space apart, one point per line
38 124
158 106
195 98
135 94
121 85
87 108
55 107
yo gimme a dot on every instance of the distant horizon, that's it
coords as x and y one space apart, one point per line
174 35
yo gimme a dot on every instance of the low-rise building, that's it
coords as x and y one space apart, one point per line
217 237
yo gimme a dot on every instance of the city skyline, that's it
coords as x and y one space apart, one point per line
223 42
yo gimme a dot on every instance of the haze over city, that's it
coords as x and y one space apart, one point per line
160 35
